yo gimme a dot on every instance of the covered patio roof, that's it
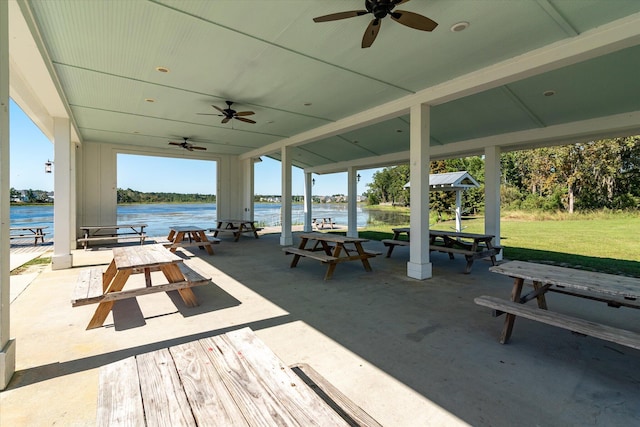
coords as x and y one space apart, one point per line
139 73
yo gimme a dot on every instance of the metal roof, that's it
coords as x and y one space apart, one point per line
450 181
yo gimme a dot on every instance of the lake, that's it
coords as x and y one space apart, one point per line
161 216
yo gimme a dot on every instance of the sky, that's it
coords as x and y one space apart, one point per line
30 149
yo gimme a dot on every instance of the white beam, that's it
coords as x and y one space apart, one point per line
352 202
286 238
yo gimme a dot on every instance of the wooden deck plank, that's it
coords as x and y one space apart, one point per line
289 389
210 400
164 400
119 402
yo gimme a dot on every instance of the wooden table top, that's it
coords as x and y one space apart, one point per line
245 221
33 227
143 256
232 379
601 283
186 228
330 237
461 234
98 227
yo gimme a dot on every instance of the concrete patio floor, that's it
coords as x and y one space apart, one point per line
409 352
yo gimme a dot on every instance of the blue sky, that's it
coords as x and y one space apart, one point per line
30 149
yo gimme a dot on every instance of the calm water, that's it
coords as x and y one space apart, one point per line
161 216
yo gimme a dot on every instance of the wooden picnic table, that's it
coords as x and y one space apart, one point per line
93 233
330 249
232 379
471 245
189 235
94 286
321 222
32 231
616 291
237 227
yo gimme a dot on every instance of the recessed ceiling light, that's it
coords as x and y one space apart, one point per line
270 121
136 132
162 69
356 141
459 26
307 104
150 100
549 92
399 130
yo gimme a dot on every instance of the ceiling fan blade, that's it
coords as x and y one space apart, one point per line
245 113
340 15
175 143
226 119
218 108
209 114
414 20
242 119
371 33
197 148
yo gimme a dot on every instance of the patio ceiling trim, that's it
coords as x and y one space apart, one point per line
43 82
618 125
608 38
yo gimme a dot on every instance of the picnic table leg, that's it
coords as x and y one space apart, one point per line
173 274
467 269
390 250
104 308
542 300
510 318
201 237
332 265
363 255
296 257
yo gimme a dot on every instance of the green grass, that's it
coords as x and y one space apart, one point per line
606 242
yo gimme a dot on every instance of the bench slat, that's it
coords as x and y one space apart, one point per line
119 402
320 256
389 242
586 327
89 287
337 400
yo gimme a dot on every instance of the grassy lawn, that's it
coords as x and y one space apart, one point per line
607 242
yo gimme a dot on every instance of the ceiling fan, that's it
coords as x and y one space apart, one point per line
380 9
229 113
186 144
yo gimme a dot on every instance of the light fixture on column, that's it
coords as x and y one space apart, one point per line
313 181
358 177
47 166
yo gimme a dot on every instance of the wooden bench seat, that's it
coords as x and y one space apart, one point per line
338 401
469 254
116 237
581 326
390 242
319 255
89 289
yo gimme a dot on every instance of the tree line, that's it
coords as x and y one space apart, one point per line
133 196
602 174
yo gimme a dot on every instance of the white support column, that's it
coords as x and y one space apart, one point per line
248 170
286 238
492 194
62 184
352 202
458 211
308 202
419 265
7 345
